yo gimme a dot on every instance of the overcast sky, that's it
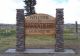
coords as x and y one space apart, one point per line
71 9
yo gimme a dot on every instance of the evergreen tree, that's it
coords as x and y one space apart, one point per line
30 9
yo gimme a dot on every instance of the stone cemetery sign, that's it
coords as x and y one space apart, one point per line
40 24
32 23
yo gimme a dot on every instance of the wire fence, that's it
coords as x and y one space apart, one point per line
71 37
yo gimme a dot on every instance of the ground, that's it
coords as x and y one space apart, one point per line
8 40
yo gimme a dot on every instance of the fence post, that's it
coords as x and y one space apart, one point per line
76 29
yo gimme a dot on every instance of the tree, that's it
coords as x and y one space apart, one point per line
30 9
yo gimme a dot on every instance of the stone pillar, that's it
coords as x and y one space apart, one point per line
20 30
59 47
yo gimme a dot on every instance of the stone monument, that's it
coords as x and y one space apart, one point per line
59 20
32 23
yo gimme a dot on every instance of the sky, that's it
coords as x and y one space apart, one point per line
71 9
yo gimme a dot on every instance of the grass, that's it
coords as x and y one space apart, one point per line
39 41
75 44
8 40
7 32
